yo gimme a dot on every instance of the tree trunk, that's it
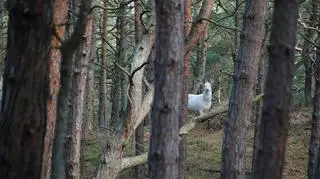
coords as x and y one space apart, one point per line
89 123
60 17
68 48
307 48
109 165
314 147
240 106
164 145
25 91
258 110
185 89
278 91
313 163
1 30
80 77
200 68
140 171
103 73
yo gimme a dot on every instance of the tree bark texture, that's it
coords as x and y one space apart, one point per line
278 91
68 47
60 17
140 171
82 55
240 106
314 147
313 162
103 73
25 91
164 145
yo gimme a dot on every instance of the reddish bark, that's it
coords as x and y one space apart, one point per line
82 57
198 27
61 7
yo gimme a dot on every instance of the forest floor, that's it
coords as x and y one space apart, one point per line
204 149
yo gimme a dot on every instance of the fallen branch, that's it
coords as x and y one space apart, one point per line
134 161
184 130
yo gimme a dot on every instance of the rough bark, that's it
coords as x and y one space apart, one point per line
68 48
139 133
278 91
60 16
164 145
103 73
80 77
88 123
258 110
262 71
313 165
25 91
314 147
240 106
185 89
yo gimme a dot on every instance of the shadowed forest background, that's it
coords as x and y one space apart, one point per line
99 89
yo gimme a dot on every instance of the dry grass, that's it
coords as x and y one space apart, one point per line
204 149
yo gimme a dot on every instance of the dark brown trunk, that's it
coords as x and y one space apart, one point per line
258 110
103 73
314 147
164 145
240 106
278 91
313 163
25 91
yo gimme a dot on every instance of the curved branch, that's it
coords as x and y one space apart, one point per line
198 27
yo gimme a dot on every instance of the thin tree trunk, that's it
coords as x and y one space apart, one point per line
25 91
184 96
1 30
88 123
103 73
80 77
307 48
278 91
60 16
201 63
240 106
258 110
110 163
164 145
68 48
313 165
314 146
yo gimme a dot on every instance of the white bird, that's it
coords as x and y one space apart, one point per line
200 102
